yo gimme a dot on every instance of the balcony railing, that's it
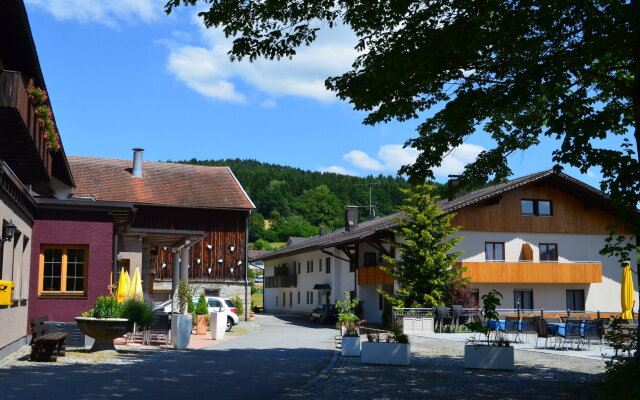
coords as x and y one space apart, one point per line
22 143
281 281
374 276
533 272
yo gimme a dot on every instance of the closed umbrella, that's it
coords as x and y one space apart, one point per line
135 289
626 294
123 286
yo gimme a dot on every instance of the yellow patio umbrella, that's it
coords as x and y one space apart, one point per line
626 293
135 288
123 286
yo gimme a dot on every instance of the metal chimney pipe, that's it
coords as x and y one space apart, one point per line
137 163
350 218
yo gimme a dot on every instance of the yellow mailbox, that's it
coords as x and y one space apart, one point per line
6 289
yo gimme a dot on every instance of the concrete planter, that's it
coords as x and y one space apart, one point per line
218 325
180 330
104 330
386 353
488 357
350 346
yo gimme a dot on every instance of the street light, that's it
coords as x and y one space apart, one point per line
9 231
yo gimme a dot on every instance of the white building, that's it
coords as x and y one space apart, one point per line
535 239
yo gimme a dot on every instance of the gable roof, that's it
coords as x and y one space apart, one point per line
165 184
370 228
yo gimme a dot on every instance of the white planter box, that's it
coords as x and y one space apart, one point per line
386 353
218 321
350 346
488 357
417 324
180 331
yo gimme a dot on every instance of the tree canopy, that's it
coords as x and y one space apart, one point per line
514 70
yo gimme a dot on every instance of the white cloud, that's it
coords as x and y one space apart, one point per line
302 76
336 170
109 12
269 103
392 156
362 160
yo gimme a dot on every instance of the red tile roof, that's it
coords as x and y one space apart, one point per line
167 184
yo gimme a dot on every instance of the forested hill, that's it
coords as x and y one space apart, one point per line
317 197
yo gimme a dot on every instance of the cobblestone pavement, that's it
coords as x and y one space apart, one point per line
436 372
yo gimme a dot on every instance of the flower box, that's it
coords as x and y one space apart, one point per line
350 346
386 353
488 357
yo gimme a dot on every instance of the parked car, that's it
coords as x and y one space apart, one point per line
324 313
213 304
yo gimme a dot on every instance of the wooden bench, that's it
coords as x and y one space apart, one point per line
44 344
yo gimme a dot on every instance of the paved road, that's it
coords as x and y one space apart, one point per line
284 355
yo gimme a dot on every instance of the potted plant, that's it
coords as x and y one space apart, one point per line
349 325
391 348
140 313
103 323
494 352
181 322
202 315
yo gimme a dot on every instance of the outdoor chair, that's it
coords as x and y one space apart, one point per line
478 319
543 331
527 326
160 328
593 330
585 318
441 314
457 312
565 318
553 320
511 325
571 332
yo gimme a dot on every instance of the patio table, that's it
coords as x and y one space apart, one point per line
557 328
499 325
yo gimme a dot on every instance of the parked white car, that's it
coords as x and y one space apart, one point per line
217 304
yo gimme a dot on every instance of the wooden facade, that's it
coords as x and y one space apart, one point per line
532 272
22 143
224 229
374 276
571 214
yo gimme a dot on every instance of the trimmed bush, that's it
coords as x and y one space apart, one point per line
139 312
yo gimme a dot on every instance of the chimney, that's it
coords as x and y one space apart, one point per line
137 163
350 218
322 231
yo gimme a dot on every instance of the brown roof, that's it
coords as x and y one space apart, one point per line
370 228
166 184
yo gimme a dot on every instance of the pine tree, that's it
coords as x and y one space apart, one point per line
427 270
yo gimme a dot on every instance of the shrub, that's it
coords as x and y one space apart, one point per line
201 307
139 312
239 304
624 367
106 307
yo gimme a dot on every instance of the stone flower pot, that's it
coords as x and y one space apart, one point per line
385 353
351 346
180 330
104 330
201 324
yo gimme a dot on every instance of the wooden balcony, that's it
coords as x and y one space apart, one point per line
22 145
374 276
281 281
533 272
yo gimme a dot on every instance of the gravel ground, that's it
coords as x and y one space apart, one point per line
436 371
125 355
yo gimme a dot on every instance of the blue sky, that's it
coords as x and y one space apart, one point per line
122 74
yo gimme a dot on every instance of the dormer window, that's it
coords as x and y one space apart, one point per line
536 208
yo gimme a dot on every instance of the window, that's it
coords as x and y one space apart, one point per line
523 299
307 297
380 302
540 208
311 297
276 301
307 267
290 299
298 297
63 270
475 296
298 268
370 259
320 265
327 264
548 252
311 263
575 300
494 251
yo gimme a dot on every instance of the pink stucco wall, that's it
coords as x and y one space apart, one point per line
94 229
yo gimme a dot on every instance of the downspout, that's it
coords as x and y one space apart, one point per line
247 302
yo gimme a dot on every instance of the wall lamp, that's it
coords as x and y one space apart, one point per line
8 231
